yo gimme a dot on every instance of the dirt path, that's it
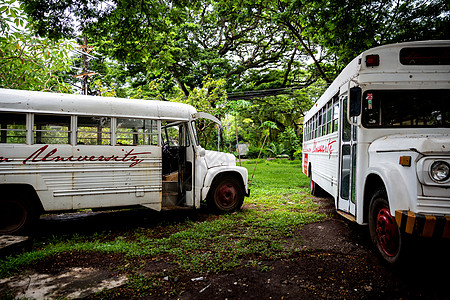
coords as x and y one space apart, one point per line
337 262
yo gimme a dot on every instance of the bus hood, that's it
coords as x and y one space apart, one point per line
423 143
218 159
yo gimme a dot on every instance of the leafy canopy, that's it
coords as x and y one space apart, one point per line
27 61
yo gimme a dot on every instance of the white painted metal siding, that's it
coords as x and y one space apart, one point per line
67 177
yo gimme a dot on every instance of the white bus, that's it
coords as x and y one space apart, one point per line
61 152
386 159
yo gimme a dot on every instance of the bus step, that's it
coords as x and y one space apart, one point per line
346 215
169 199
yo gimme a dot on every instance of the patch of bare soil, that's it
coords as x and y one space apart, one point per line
337 263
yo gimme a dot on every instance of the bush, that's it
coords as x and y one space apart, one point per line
289 141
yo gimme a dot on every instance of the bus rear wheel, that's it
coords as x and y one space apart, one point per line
226 195
316 190
15 215
384 232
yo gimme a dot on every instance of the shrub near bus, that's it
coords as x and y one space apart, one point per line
63 152
378 141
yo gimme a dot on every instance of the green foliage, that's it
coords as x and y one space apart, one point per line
26 61
210 98
277 150
272 116
344 29
290 141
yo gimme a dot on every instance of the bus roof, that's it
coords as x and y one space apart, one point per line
389 64
72 104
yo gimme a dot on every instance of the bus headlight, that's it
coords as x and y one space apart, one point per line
440 171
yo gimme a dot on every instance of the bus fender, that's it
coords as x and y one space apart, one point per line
239 172
395 186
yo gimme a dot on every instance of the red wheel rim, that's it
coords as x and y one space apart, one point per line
311 185
387 232
226 196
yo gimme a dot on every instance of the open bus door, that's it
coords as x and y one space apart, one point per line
177 165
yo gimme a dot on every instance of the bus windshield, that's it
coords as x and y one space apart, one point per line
406 108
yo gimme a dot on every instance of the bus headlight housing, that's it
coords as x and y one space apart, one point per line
440 171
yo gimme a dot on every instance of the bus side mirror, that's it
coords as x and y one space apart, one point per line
355 101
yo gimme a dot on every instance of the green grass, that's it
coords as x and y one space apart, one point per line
264 229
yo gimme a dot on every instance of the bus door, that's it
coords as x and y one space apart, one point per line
347 176
177 164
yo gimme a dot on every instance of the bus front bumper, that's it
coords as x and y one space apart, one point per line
423 225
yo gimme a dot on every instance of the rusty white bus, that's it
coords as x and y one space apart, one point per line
378 141
61 152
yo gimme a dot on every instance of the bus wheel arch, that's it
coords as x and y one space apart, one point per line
373 184
18 210
226 193
315 189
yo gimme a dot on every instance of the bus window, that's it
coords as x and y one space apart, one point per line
13 128
329 117
94 131
51 129
336 115
171 136
346 128
172 153
345 172
136 132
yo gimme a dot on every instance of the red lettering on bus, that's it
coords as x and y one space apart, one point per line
325 148
322 148
39 156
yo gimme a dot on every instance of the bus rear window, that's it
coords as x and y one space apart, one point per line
406 108
425 56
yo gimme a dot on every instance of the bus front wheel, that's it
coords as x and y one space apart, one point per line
15 215
226 195
384 232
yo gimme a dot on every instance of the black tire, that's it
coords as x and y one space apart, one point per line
226 195
384 231
316 190
16 215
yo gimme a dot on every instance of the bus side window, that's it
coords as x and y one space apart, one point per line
172 136
13 129
51 129
336 115
94 131
346 128
329 117
136 132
